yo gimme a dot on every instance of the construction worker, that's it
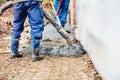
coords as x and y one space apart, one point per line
32 9
61 7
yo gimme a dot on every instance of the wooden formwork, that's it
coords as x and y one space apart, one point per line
73 13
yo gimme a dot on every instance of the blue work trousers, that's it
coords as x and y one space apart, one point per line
63 10
32 9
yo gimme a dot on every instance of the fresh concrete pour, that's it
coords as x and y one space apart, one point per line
50 35
61 50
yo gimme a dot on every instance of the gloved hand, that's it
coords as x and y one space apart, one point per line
59 6
57 13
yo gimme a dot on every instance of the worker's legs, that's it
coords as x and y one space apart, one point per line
36 18
56 4
63 12
19 18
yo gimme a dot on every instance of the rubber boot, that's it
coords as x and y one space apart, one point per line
16 56
35 55
14 49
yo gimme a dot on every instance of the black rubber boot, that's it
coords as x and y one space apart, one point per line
16 56
35 55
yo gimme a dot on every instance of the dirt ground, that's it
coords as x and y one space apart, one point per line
50 68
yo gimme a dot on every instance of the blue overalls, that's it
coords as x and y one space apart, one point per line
63 11
32 9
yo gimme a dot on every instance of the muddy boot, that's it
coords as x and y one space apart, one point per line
35 55
16 56
14 48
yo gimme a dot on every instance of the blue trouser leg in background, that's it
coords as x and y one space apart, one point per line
33 10
63 11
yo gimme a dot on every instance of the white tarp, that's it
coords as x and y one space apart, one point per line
98 29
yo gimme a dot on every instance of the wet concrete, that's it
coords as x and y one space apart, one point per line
58 50
50 35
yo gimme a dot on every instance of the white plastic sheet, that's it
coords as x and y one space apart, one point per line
98 29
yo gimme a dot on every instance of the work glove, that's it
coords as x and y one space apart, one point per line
57 12
59 7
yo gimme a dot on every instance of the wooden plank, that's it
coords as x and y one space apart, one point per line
73 13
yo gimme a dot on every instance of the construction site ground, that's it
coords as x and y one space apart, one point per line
50 68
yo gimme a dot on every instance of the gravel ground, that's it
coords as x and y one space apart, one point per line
50 68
